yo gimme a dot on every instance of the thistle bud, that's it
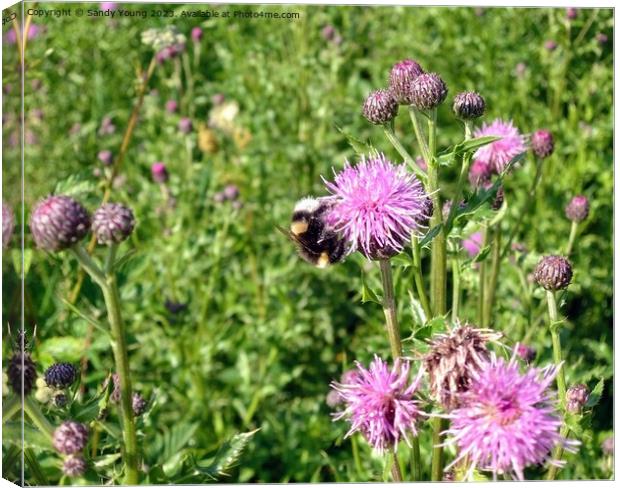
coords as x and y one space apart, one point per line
196 34
526 353
553 273
231 192
171 106
479 173
105 157
468 105
60 400
380 107
542 143
551 45
428 91
113 223
402 76
8 225
58 222
576 398
138 404
185 125
60 375
21 366
74 466
578 209
70 437
159 172
571 13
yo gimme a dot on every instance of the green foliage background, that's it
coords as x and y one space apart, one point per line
263 334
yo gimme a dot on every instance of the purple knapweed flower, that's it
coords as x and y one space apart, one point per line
172 106
379 403
185 125
21 373
499 153
551 45
479 173
379 206
105 157
196 34
159 172
506 420
473 244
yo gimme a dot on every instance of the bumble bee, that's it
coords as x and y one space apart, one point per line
317 242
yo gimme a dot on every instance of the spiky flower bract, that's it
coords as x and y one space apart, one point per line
499 153
428 91
380 107
58 222
74 466
22 373
576 397
577 209
138 404
60 375
113 223
452 360
379 403
506 420
379 206
553 272
402 75
468 105
542 143
70 437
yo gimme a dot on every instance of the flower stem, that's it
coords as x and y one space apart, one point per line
465 162
456 288
419 135
437 463
119 348
396 473
482 278
391 136
571 239
495 264
554 326
417 276
389 309
416 462
557 453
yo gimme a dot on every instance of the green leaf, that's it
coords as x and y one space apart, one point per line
403 259
482 254
360 147
33 437
106 460
16 256
176 438
367 294
423 333
68 349
226 457
595 395
74 186
94 322
473 144
430 235
419 317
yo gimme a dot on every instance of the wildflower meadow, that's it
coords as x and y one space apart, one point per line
304 243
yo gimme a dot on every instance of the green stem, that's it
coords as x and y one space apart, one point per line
356 457
554 326
526 210
119 348
557 453
456 288
396 472
571 239
482 278
419 135
437 464
466 160
38 419
88 264
417 276
389 309
495 265
416 461
391 135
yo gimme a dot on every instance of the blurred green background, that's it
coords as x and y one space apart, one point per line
261 334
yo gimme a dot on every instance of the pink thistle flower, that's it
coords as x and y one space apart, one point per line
473 244
499 153
506 420
379 206
379 403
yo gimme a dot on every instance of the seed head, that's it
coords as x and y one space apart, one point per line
70 437
159 172
380 107
8 225
58 222
553 273
542 143
578 209
453 359
113 223
402 76
16 369
60 375
428 91
468 105
74 466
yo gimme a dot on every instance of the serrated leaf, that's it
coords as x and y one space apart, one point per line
226 457
74 186
482 254
596 394
176 438
430 235
417 310
360 147
423 333
473 144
